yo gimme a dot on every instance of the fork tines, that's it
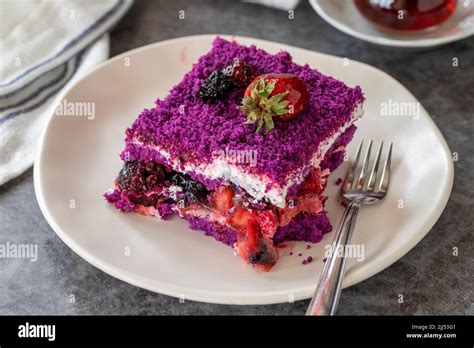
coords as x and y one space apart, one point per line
357 178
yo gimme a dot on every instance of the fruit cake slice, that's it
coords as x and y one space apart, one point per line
241 148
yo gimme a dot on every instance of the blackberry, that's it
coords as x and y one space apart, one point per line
137 176
150 201
138 183
155 173
129 170
197 191
177 179
194 190
151 167
152 181
216 86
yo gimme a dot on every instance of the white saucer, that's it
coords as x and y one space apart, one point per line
344 16
78 161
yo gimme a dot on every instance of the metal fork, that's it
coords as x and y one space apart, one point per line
358 189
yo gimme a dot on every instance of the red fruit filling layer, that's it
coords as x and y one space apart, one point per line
150 188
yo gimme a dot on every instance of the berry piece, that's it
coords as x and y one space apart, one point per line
193 189
312 184
197 191
182 180
240 218
138 183
259 250
152 181
264 255
280 96
177 179
137 176
150 167
268 222
254 234
149 201
216 86
241 74
252 245
221 199
128 178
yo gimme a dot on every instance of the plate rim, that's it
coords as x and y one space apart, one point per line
260 298
387 41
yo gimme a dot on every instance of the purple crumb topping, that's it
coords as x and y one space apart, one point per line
113 196
134 152
194 130
165 210
122 202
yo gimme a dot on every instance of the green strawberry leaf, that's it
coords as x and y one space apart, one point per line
277 98
269 121
260 108
260 124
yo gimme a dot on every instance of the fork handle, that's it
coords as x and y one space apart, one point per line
328 290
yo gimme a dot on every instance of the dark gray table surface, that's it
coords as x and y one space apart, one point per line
431 279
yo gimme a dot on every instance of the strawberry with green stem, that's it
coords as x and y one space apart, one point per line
280 96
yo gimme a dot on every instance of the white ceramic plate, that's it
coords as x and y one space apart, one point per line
78 161
344 16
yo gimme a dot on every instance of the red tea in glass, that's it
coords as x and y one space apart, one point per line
406 14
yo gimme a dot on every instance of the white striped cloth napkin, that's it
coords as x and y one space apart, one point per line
44 46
